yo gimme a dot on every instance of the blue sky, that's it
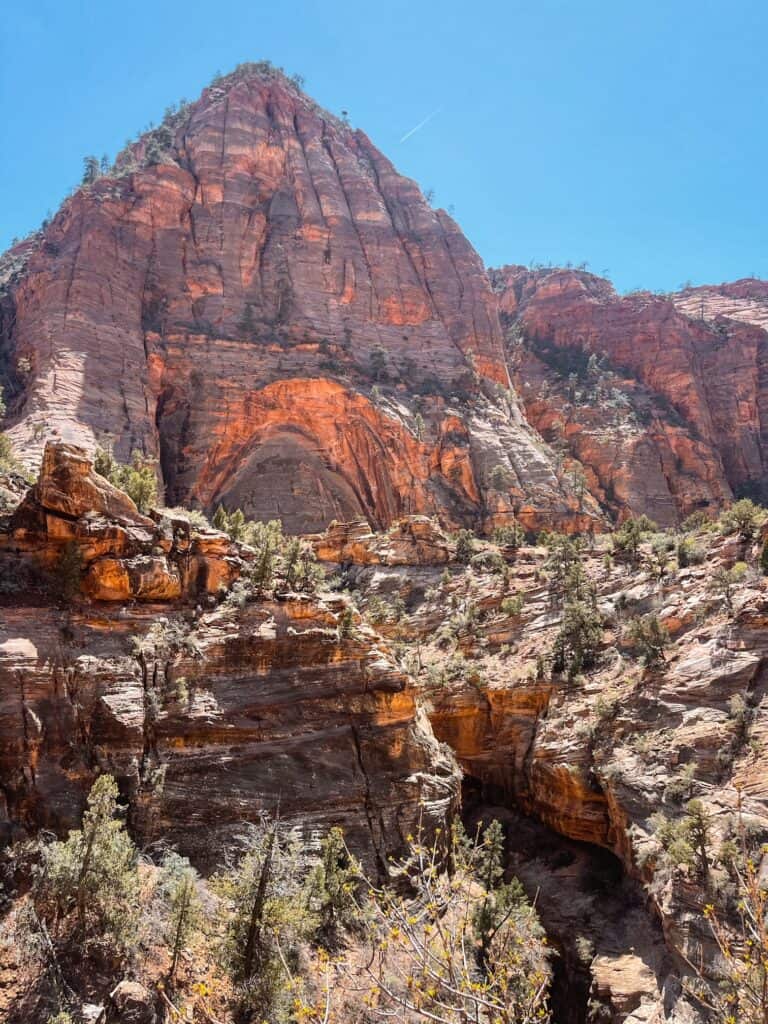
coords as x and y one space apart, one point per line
631 135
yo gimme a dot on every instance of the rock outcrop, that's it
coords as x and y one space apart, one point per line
597 759
673 416
413 540
73 520
210 718
258 300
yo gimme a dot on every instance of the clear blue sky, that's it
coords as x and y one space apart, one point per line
627 133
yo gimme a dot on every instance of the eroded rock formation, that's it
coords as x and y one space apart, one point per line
265 306
597 759
208 716
675 416
123 555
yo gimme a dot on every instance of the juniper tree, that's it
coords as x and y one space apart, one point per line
650 637
723 582
743 517
92 876
332 888
180 884
465 546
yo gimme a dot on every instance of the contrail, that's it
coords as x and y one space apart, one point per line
421 124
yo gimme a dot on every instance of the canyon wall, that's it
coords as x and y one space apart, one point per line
257 299
211 713
671 415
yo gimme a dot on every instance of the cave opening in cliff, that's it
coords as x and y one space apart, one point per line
594 915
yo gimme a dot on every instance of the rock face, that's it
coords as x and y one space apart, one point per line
207 719
675 416
597 759
745 300
121 554
413 540
257 299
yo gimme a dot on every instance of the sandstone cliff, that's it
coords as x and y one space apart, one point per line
599 758
209 712
255 297
674 416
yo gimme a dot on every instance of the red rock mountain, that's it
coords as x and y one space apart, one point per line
671 414
260 301
254 297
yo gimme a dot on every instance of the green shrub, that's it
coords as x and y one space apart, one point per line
649 637
488 561
138 480
512 605
266 920
381 612
723 582
510 536
332 889
8 461
578 641
689 553
460 945
179 884
627 539
743 517
567 579
91 878
698 520
465 546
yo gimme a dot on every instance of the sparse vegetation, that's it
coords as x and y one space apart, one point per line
744 517
723 583
458 947
87 886
465 546
627 539
138 479
649 638
511 536
579 639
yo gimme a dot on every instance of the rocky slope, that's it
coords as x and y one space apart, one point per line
596 760
257 299
210 713
212 709
674 415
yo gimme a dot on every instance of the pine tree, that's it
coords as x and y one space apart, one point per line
264 568
332 887
93 874
236 525
91 170
180 882
220 519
